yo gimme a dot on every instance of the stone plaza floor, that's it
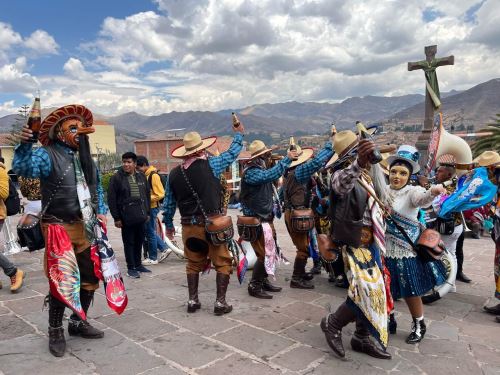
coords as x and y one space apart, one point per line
155 335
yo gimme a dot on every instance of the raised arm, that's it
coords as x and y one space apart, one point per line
304 171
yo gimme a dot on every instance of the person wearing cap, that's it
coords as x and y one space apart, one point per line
297 196
491 161
72 197
357 232
200 173
410 277
257 200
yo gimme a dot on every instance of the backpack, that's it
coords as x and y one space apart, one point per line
12 203
164 180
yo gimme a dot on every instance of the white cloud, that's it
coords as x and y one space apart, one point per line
42 43
215 54
14 79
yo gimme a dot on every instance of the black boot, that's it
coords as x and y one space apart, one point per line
57 342
332 326
362 343
268 287
255 286
82 328
463 277
193 302
418 329
316 270
298 277
493 310
392 326
221 307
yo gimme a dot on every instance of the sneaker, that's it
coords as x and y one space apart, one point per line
149 262
162 255
141 268
133 274
16 281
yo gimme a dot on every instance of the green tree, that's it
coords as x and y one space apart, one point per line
489 142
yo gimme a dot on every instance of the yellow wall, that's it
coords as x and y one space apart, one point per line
104 137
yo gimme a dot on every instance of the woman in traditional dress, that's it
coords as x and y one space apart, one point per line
410 277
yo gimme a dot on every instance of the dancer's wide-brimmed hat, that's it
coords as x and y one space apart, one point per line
303 155
258 148
488 159
46 134
192 143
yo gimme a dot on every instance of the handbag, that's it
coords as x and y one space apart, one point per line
249 228
302 220
133 212
428 247
219 229
327 249
29 232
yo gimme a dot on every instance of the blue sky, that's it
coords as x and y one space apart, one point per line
164 55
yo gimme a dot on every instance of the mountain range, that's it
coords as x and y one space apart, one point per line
475 106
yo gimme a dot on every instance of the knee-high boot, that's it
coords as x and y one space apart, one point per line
361 342
299 271
57 342
221 307
79 327
255 286
332 326
193 302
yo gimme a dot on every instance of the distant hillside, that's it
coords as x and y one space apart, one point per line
477 106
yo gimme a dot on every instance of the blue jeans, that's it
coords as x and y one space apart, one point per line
151 234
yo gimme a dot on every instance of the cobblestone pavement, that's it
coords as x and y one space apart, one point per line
155 335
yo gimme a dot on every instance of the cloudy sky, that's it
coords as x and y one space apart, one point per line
157 56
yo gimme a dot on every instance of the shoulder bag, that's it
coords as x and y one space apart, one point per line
219 229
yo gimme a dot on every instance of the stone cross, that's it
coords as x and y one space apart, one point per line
432 95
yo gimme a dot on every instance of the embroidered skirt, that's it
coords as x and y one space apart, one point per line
411 277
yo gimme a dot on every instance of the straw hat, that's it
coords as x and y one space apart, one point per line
46 134
257 148
343 142
488 159
304 154
408 154
192 143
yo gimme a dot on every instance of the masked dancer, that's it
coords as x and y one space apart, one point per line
410 277
72 196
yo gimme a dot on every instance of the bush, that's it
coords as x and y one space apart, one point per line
105 177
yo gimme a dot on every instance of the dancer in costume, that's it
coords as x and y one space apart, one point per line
200 173
297 196
410 278
257 201
71 197
491 161
358 232
319 205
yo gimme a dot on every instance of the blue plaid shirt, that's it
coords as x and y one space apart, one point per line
37 164
258 176
305 170
218 164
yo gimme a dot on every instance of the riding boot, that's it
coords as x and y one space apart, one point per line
392 325
82 328
316 270
193 302
221 307
299 270
255 286
57 342
332 326
268 287
361 342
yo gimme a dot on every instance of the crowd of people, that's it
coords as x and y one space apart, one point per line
356 210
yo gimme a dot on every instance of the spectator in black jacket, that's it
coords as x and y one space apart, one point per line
129 204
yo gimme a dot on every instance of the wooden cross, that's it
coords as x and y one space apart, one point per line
432 95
